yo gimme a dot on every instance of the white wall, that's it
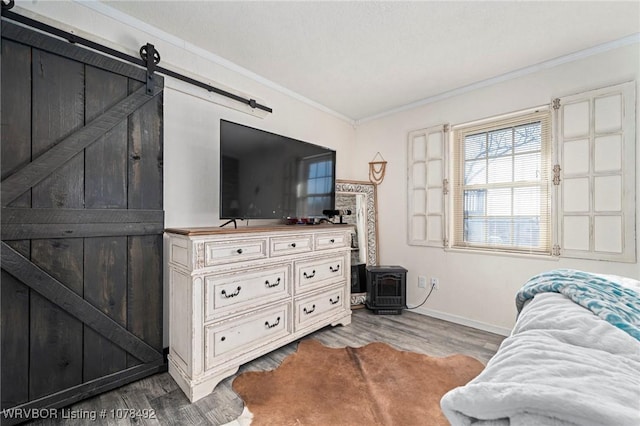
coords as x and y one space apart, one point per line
191 132
191 123
479 289
475 289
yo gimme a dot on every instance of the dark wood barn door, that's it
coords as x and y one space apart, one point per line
82 222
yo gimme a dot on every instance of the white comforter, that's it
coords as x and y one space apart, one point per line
562 365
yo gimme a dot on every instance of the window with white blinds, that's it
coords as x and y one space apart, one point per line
502 183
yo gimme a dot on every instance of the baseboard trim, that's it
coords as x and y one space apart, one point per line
463 321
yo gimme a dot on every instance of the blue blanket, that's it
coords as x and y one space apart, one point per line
608 300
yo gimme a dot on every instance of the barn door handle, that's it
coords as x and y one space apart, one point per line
311 275
266 323
336 269
234 294
333 302
269 285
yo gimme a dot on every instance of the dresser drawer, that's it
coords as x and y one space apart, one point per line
318 307
315 273
224 341
224 294
226 251
331 241
282 246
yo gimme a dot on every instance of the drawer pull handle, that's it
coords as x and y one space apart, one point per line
333 302
311 275
239 251
332 241
266 323
222 339
229 296
336 269
292 245
269 285
307 312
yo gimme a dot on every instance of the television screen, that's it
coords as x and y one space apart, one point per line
269 176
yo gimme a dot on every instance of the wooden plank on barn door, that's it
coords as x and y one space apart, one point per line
56 336
105 258
21 223
82 222
60 295
27 36
70 147
21 216
105 288
14 297
145 192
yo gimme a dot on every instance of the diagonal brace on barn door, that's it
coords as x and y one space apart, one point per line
20 181
57 293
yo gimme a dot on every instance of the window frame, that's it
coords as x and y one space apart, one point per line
540 114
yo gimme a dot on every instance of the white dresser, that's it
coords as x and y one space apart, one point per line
236 294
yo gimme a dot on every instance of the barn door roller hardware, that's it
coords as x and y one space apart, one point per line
146 52
150 55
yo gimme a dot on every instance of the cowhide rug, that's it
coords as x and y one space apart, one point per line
372 385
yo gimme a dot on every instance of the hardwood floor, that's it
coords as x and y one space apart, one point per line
161 396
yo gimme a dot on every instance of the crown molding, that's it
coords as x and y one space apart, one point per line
581 54
135 23
159 34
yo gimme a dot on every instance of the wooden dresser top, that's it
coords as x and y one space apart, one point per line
252 229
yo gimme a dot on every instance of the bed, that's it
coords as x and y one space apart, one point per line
573 358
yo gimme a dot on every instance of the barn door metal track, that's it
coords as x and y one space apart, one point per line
149 57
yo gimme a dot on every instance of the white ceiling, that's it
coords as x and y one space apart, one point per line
362 59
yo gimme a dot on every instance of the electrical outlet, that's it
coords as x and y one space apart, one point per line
435 284
422 281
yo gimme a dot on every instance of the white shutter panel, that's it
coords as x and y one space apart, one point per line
427 169
596 157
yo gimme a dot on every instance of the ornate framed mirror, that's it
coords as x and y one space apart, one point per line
360 198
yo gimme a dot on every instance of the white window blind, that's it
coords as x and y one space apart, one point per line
426 170
502 183
596 174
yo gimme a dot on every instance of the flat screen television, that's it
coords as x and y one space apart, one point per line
268 176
